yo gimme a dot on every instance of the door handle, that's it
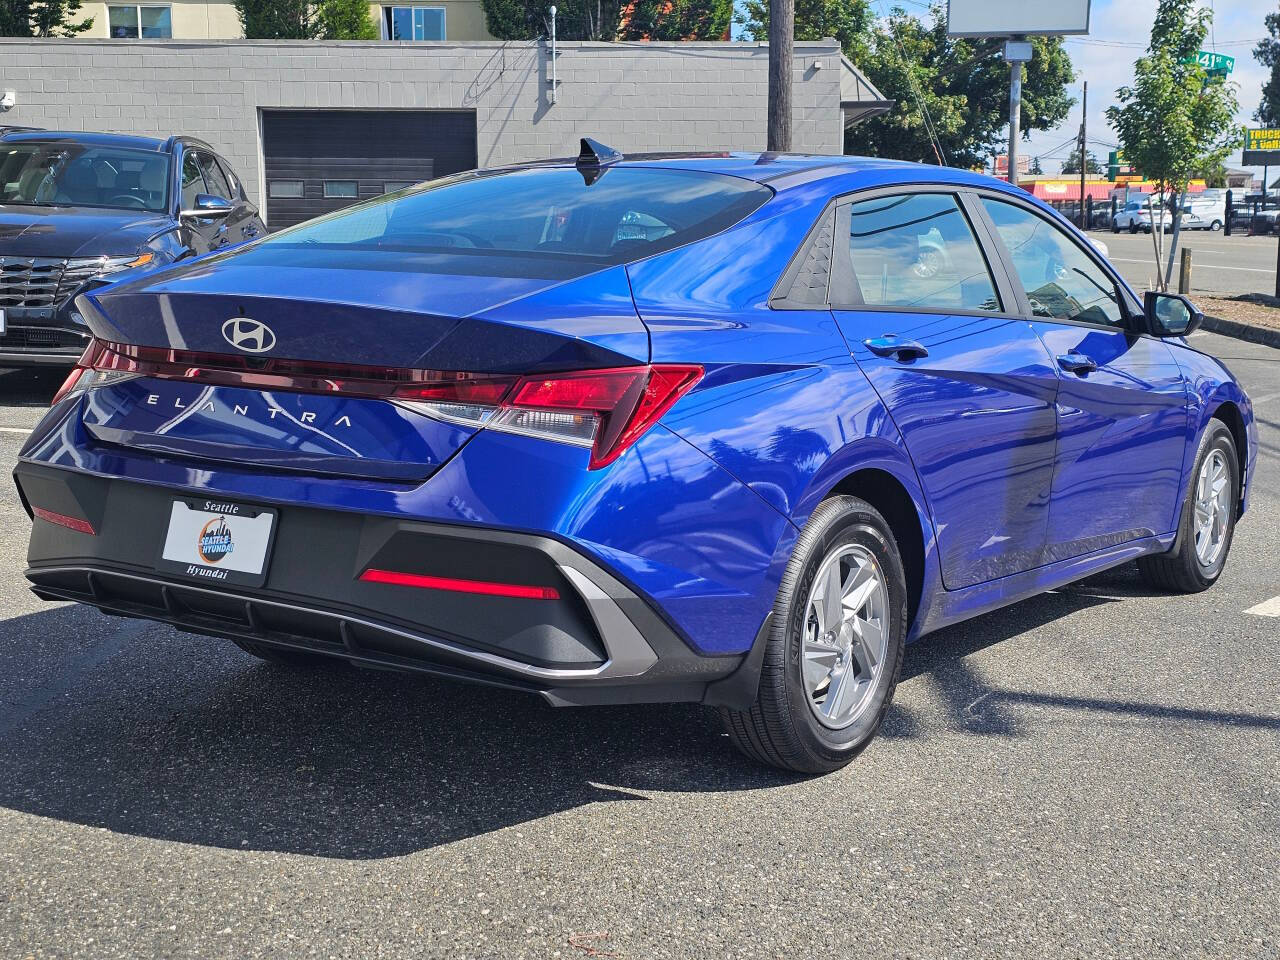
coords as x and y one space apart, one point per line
1076 363
891 345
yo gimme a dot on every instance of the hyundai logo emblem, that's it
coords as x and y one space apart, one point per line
251 336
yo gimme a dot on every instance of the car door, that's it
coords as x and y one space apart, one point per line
934 325
1122 406
200 234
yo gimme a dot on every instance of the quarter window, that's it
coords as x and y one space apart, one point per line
413 23
131 22
1061 280
918 250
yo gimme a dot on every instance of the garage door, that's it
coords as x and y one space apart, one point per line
318 161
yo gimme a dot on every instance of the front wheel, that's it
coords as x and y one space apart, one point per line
1216 225
1207 521
1133 228
835 646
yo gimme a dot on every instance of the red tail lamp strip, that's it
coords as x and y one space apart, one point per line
486 587
62 520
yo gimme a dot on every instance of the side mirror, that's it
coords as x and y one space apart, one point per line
1170 314
208 207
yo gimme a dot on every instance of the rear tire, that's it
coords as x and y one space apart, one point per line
1133 228
1201 551
1216 225
827 680
284 657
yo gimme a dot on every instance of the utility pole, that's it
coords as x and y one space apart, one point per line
782 31
1084 119
1017 51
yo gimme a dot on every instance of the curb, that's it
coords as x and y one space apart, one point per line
1242 331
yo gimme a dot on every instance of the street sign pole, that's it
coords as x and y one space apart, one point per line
1017 51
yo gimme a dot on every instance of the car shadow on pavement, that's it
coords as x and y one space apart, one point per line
143 730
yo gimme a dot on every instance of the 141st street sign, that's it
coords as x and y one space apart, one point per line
1261 148
1213 63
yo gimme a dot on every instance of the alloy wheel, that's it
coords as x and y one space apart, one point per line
845 634
1212 507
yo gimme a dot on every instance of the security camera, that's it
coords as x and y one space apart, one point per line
9 100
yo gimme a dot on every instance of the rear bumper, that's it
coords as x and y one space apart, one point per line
599 642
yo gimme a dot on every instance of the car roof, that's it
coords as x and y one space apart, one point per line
783 171
91 139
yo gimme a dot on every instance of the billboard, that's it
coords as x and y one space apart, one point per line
1010 18
1261 148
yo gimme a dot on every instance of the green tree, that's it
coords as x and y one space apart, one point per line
306 20
1091 164
1268 54
849 22
609 19
1035 169
1175 118
41 18
677 20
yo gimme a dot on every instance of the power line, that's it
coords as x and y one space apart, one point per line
939 153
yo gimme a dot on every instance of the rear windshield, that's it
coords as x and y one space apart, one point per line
547 221
58 173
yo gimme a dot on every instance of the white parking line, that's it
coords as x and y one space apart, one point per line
1267 608
1265 398
1202 266
22 430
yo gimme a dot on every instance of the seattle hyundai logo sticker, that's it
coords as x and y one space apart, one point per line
251 336
215 541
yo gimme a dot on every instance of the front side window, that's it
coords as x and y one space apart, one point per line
192 181
413 23
218 186
918 250
1061 280
59 173
131 22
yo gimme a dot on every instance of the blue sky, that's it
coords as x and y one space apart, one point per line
1119 33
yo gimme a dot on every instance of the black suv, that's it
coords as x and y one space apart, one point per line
77 207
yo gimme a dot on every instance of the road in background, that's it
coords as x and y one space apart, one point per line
1220 265
1087 774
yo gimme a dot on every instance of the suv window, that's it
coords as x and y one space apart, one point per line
192 180
62 173
918 250
213 177
1061 280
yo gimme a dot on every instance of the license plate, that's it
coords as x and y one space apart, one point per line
217 541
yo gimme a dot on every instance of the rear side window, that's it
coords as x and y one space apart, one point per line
543 221
1061 280
918 251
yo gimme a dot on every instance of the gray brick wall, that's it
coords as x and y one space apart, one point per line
636 97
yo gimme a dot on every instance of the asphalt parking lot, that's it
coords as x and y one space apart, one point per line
1092 773
1219 265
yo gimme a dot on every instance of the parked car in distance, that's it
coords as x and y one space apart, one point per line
1135 216
487 428
78 207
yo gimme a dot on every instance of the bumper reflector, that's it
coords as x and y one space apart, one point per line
488 588
62 520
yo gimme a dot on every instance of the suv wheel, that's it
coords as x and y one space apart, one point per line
835 649
1207 522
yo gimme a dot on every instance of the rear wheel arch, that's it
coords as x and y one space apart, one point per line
891 498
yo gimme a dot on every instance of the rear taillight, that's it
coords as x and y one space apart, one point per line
604 410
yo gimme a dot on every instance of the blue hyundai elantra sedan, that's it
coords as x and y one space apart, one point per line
721 428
